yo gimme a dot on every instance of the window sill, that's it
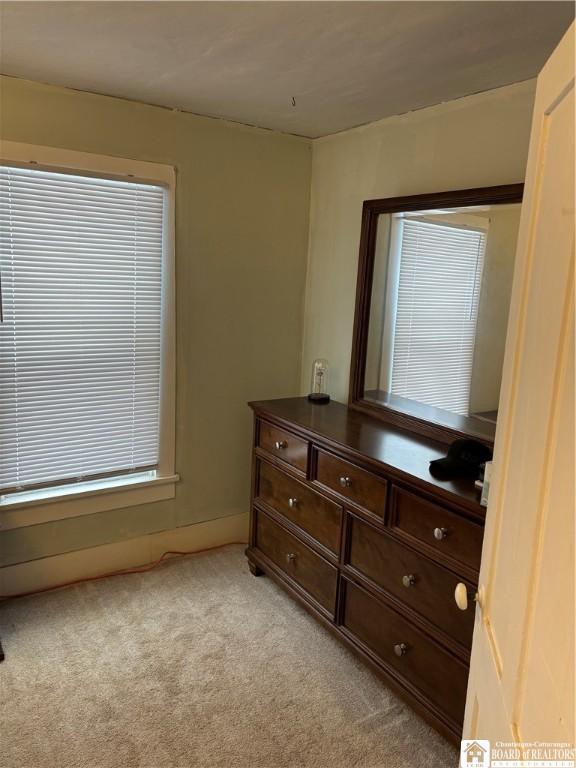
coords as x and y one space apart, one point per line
27 508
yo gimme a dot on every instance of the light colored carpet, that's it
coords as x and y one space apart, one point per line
194 665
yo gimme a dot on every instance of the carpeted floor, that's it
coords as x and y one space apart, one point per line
194 665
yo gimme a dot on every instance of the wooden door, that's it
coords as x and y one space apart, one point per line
521 685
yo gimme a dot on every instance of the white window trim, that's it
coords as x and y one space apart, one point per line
58 503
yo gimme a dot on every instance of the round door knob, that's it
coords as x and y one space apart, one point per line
462 596
409 580
290 557
400 649
292 503
345 482
280 445
440 533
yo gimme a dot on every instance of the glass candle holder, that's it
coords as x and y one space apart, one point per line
318 390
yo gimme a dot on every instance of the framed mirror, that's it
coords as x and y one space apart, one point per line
432 301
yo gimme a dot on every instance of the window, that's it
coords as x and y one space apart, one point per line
437 292
83 337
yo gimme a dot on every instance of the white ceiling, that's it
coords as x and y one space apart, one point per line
343 63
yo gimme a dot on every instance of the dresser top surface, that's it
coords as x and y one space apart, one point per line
399 449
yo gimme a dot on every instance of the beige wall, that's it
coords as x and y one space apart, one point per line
241 240
242 235
473 142
493 307
378 304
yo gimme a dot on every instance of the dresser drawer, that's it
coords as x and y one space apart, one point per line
314 574
419 583
439 529
284 445
307 509
355 484
438 675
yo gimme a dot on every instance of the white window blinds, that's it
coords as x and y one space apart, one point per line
81 270
437 307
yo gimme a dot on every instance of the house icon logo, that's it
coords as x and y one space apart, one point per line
475 754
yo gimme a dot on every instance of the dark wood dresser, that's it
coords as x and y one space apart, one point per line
347 518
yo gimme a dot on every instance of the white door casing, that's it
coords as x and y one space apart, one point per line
521 685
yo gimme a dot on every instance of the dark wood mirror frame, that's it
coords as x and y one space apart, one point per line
421 420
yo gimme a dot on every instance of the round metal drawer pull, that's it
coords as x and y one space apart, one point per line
409 580
400 649
292 503
440 533
290 557
280 445
345 482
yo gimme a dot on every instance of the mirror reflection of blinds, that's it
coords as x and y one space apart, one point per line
81 261
436 313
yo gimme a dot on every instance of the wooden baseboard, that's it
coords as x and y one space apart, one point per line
53 571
